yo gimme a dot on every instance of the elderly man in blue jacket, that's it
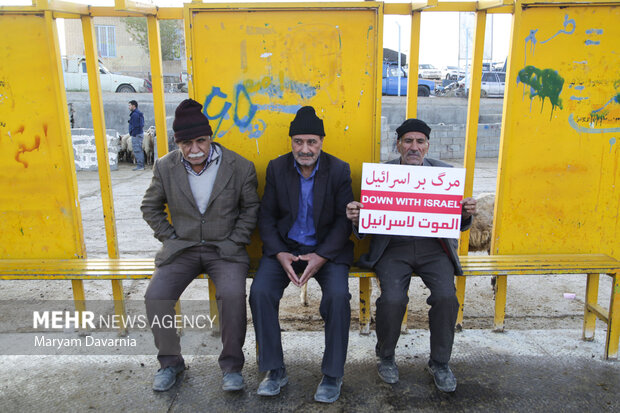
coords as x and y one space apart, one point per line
136 131
305 231
435 260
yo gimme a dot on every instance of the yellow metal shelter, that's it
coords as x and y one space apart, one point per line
253 65
559 183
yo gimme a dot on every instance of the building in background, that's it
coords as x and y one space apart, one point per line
120 49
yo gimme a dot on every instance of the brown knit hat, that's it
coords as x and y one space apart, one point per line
189 121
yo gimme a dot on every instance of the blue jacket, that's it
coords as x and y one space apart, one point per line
136 123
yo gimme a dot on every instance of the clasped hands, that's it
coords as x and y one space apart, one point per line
315 262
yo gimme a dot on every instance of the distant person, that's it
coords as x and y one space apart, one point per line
435 260
305 231
136 131
210 194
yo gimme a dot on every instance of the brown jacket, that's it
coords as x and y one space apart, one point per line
230 216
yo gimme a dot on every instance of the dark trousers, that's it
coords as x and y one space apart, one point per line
426 258
168 283
335 308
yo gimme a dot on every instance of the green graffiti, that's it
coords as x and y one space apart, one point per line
544 84
597 118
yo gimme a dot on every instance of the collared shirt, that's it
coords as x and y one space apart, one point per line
303 230
201 183
214 155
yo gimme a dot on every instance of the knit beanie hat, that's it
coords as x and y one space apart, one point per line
306 123
413 125
189 121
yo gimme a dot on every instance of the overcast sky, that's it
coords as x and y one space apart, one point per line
439 39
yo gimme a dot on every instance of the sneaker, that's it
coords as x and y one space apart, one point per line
232 382
388 371
272 383
165 378
443 376
138 168
328 390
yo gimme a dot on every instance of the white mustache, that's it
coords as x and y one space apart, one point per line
196 155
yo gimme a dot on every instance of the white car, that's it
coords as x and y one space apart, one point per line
452 73
427 71
493 84
76 78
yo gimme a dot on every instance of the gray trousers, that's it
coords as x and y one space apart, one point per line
168 283
426 258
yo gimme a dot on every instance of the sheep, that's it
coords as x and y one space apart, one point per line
126 152
148 145
482 225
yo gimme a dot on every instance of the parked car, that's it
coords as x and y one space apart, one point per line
427 71
389 85
493 84
76 78
452 73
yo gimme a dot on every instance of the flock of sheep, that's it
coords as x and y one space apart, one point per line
148 146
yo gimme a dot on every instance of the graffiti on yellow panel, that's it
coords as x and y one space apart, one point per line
592 92
266 65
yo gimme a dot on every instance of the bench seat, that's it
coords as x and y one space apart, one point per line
473 265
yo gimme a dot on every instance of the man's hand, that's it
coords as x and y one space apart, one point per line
315 262
468 207
353 211
286 259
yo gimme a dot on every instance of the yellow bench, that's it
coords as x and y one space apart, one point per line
495 265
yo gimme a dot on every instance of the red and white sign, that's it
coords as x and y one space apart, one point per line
411 200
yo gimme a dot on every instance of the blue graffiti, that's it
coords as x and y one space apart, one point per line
578 98
592 42
531 38
578 128
216 92
303 90
594 31
244 122
292 109
567 22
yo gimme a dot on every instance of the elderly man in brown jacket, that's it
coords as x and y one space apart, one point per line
212 201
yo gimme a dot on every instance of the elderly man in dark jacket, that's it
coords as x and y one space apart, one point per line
305 231
212 201
435 260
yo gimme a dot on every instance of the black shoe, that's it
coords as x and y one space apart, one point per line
232 382
388 371
328 390
165 378
443 376
272 383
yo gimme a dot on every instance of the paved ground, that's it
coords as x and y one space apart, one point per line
524 371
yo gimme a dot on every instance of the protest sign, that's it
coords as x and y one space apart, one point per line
411 200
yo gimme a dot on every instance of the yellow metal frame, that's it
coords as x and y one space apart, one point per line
56 9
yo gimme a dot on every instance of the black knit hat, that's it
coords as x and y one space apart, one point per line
189 121
413 125
306 123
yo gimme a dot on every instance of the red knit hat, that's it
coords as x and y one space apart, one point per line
189 121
